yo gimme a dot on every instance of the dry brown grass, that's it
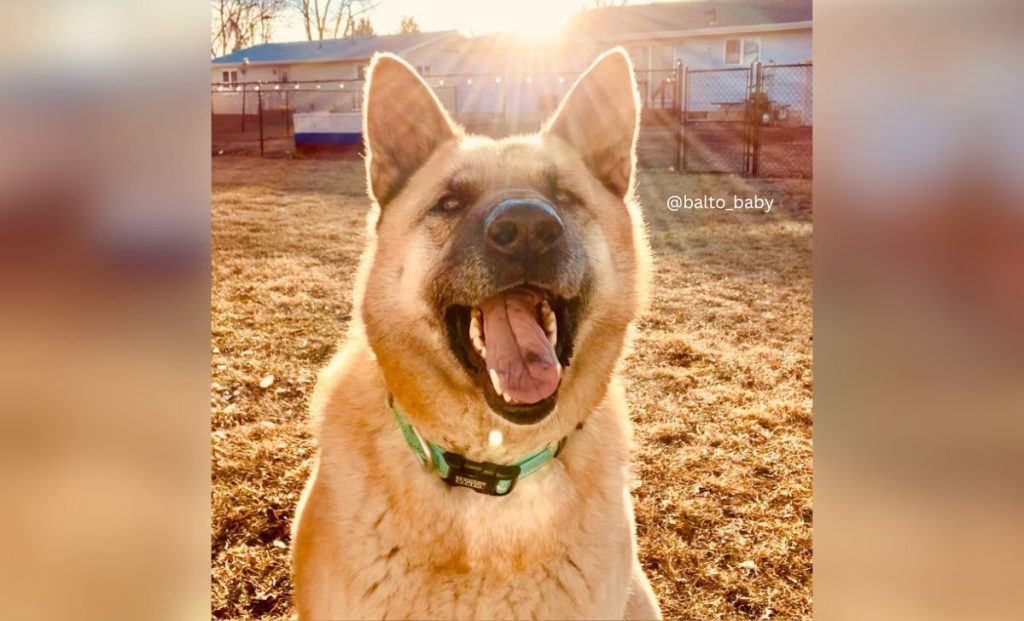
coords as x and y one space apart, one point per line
719 383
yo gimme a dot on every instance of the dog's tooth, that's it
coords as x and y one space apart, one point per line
474 326
495 381
550 322
508 399
480 348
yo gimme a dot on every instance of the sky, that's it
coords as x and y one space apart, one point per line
471 17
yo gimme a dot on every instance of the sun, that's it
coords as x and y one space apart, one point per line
526 18
539 18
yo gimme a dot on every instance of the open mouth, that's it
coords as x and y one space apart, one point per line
515 345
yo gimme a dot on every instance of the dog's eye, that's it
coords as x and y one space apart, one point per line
565 197
448 203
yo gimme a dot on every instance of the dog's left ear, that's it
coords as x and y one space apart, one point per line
404 124
600 118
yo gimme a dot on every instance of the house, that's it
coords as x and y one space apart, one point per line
709 35
337 60
702 34
509 76
504 73
330 59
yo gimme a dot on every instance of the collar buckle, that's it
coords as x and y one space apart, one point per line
482 477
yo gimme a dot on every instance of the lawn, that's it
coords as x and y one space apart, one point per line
719 383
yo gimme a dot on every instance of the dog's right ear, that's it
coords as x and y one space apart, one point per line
404 123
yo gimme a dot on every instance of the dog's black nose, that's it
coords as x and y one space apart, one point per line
526 227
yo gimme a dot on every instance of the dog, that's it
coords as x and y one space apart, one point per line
473 433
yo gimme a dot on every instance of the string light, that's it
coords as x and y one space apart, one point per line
277 87
561 78
497 80
469 81
296 87
342 85
318 86
441 83
529 79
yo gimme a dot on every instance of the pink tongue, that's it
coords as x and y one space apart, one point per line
517 347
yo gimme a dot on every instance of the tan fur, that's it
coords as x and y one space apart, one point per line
379 536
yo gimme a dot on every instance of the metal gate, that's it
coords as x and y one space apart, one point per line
754 120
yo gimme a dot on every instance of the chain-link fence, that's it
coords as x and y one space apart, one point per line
716 120
784 131
719 128
260 116
753 120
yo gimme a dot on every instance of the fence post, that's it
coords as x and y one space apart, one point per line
755 163
243 107
259 103
287 115
683 118
679 115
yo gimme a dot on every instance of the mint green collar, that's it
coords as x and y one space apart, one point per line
457 471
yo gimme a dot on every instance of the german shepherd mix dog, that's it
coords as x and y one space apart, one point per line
474 438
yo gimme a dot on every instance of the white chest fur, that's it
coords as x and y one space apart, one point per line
420 549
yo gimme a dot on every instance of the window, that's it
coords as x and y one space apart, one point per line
732 51
229 77
224 77
423 69
361 72
742 51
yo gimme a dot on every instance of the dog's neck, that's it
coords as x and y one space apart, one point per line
483 477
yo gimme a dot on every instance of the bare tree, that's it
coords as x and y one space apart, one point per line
327 19
237 24
363 28
597 4
408 24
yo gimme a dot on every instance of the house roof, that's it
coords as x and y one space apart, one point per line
349 48
660 17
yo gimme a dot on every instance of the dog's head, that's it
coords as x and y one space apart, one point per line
502 274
